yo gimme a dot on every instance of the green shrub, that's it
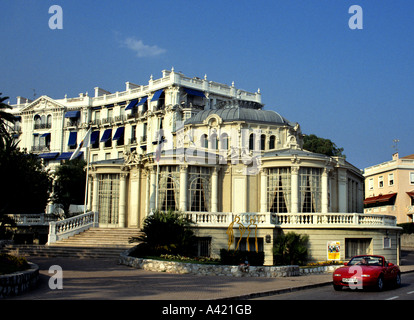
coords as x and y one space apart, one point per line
236 257
10 264
291 249
167 233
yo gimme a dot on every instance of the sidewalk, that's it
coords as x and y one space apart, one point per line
102 279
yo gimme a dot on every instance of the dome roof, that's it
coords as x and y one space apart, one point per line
240 114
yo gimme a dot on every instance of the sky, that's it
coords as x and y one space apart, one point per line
352 86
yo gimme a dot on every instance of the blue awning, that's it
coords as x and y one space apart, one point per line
67 155
45 135
194 92
142 101
94 137
72 114
132 104
72 139
107 135
157 95
119 132
48 156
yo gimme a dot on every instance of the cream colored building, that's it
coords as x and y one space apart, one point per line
236 170
389 188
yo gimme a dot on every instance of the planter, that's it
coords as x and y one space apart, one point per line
19 282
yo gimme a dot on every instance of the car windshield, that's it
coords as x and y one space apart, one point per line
368 261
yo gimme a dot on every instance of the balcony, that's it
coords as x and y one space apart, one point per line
41 148
42 126
291 220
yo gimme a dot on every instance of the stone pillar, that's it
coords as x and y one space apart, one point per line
152 189
183 187
342 191
214 190
325 191
294 190
263 190
122 200
95 200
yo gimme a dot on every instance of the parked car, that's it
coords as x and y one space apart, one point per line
366 271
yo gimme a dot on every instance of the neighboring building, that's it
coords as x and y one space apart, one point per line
211 151
389 188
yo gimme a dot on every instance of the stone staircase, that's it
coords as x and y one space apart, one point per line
92 243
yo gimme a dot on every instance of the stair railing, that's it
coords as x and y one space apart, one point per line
59 230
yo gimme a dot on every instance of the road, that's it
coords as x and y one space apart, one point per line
405 292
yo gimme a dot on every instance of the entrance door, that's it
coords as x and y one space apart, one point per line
108 203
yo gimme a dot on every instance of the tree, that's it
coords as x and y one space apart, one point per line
69 184
291 249
5 117
320 145
25 185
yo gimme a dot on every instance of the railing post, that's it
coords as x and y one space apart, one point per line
52 233
96 219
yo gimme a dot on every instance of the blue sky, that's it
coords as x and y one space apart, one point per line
354 87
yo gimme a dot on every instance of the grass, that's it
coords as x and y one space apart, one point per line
10 264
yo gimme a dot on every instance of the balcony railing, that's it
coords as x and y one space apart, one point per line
42 126
294 220
40 219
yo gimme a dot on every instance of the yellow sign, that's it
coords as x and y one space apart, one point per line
242 230
334 250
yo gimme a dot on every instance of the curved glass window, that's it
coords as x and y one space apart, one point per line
310 189
279 190
199 184
169 188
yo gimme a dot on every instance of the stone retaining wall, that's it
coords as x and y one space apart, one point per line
220 270
18 282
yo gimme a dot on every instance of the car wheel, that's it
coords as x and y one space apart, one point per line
337 287
380 283
398 280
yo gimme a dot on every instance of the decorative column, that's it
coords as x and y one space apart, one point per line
342 191
214 190
95 199
294 189
152 189
122 199
183 187
263 190
325 191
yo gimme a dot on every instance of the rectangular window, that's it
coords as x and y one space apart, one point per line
391 179
411 177
387 243
169 188
380 181
371 184
252 244
356 246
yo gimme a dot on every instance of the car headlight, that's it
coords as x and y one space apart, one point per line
365 276
337 275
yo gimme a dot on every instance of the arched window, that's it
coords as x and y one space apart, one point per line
204 141
310 189
169 188
213 141
272 143
279 189
49 121
199 188
262 142
224 141
251 142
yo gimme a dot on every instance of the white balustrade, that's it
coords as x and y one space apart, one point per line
66 228
224 219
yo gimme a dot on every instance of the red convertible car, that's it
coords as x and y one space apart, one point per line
366 271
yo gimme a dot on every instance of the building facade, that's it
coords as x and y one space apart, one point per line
210 150
389 188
